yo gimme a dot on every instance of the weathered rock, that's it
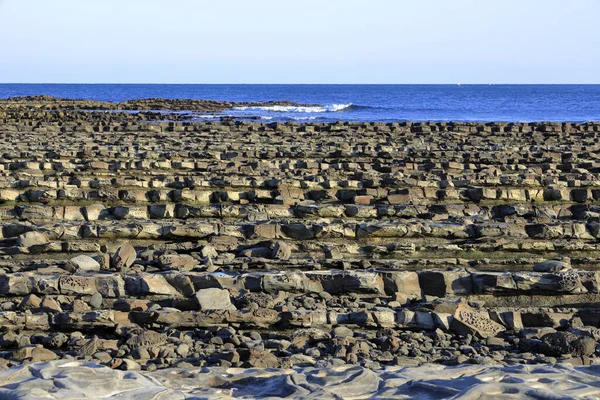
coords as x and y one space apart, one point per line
559 343
30 239
285 245
51 305
96 300
281 251
263 359
209 251
214 299
40 354
470 322
124 257
83 263
561 282
178 262
30 302
444 283
553 265
89 348
342 332
130 365
146 338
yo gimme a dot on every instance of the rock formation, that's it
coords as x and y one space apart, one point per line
139 242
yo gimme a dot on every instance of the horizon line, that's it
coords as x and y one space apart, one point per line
298 84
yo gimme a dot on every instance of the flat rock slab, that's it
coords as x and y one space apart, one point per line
214 299
68 380
84 263
76 380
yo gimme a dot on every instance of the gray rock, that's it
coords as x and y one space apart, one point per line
89 348
130 365
468 321
96 300
29 239
559 343
178 262
281 251
263 359
124 257
553 265
209 251
40 354
214 299
342 332
146 338
84 263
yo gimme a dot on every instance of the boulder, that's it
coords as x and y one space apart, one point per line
559 265
493 282
130 365
96 300
124 257
214 299
256 252
446 283
298 231
157 284
559 343
559 282
30 239
468 321
83 263
332 253
402 282
146 338
89 348
177 262
49 304
30 302
342 332
209 251
263 359
281 251
302 337
40 354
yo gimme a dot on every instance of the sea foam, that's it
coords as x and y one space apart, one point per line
297 109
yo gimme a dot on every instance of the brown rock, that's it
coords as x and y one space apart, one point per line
50 304
468 321
40 354
124 257
263 359
282 251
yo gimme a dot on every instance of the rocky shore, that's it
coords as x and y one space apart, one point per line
137 243
51 107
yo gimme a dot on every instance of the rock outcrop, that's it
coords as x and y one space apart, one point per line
140 241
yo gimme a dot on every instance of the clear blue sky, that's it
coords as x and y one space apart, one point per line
300 41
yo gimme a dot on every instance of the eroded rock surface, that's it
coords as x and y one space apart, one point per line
73 379
140 241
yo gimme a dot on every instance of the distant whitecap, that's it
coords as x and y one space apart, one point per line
297 109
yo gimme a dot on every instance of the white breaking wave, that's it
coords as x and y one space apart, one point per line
297 109
303 118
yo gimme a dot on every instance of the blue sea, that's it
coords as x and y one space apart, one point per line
576 103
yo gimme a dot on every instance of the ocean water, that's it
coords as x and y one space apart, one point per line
512 103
